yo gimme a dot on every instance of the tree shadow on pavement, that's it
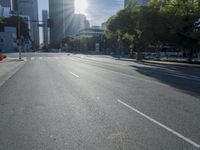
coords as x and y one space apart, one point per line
172 78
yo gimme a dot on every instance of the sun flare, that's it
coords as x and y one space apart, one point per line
81 6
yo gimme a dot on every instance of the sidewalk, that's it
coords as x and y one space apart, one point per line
8 67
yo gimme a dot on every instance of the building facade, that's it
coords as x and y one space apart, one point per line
80 22
5 12
29 8
61 12
45 17
14 5
94 31
5 3
8 40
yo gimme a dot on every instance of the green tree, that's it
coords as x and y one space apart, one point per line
13 21
124 25
158 23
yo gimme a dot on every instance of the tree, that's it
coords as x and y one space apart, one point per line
158 23
13 21
186 14
124 25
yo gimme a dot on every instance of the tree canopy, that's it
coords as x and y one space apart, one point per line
13 21
157 23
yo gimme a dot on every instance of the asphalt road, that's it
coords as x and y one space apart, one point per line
70 102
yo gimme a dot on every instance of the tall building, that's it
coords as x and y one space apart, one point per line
80 22
5 3
5 12
8 39
29 8
14 5
61 12
45 17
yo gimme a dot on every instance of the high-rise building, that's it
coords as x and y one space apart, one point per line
14 5
5 3
45 17
29 8
80 22
61 12
5 12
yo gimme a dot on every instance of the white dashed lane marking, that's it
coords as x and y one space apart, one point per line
161 125
74 74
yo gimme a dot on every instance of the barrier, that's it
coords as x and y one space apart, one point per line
1 57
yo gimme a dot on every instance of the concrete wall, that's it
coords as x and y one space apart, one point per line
5 3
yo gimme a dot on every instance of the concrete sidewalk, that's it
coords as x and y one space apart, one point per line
8 67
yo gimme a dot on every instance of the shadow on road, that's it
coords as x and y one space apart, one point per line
172 78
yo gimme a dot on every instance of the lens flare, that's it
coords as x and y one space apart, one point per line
81 6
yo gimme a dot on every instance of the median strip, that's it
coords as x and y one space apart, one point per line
162 125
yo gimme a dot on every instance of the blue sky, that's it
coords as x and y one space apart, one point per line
98 11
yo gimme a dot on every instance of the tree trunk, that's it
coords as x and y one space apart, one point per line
190 56
139 55
158 51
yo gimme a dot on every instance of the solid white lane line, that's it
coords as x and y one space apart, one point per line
32 58
74 74
40 58
162 125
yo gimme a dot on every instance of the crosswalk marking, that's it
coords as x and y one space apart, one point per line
49 58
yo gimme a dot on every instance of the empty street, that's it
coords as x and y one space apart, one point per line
67 101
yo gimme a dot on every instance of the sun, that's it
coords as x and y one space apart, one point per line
81 6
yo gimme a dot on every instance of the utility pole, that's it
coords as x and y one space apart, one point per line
44 36
19 36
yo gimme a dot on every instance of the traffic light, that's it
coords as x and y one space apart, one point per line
50 23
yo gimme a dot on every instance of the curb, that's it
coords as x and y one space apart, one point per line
7 75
